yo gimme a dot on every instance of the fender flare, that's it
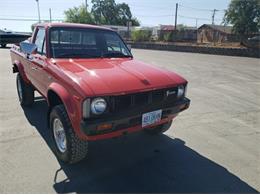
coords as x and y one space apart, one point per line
65 97
70 106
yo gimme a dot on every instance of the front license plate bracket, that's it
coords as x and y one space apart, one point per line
151 118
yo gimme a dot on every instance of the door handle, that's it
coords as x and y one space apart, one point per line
30 57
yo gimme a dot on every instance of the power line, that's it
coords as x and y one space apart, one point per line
152 7
27 16
190 17
32 18
154 15
28 19
199 9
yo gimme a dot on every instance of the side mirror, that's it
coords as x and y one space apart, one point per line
129 47
28 48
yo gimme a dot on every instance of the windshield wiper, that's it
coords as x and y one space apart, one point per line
103 55
71 55
115 54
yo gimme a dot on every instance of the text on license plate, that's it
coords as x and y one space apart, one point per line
151 118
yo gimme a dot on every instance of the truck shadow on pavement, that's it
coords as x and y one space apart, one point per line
7 47
139 163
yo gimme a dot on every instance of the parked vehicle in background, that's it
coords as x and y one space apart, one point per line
94 88
9 37
253 42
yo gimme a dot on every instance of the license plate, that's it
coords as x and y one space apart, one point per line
151 118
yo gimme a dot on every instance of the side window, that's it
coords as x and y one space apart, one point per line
40 41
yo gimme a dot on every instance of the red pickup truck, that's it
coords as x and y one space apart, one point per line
94 87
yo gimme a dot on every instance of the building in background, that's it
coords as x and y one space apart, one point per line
208 33
122 30
182 33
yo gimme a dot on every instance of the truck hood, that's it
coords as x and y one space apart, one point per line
116 76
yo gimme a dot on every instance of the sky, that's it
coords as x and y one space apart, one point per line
148 12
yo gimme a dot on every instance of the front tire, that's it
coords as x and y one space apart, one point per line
68 147
25 91
159 129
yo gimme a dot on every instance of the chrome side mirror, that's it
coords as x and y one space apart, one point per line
28 48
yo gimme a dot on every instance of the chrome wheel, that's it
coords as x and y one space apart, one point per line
59 135
19 88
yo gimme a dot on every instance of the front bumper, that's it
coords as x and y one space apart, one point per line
130 121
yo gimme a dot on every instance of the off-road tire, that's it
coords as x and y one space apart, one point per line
76 149
26 98
158 129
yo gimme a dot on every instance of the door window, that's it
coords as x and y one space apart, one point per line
114 43
39 41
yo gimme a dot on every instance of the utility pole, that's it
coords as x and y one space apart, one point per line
213 22
197 29
129 24
213 16
39 16
176 15
50 14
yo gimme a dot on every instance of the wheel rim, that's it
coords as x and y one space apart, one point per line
59 135
19 87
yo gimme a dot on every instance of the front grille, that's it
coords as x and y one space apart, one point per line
131 101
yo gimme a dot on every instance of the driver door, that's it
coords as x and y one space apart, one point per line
38 62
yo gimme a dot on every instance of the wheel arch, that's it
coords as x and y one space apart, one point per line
56 95
19 68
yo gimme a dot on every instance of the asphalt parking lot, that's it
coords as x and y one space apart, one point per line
214 147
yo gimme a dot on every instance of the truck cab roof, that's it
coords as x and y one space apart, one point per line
72 25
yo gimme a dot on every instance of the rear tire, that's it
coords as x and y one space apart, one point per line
25 91
158 129
73 149
3 45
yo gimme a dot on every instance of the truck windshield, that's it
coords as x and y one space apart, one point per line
86 43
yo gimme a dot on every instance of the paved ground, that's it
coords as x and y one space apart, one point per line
213 147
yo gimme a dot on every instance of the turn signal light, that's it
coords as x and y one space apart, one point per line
104 127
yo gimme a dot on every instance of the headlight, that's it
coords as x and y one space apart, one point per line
181 91
98 106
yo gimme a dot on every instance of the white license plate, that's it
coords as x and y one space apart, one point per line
151 118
